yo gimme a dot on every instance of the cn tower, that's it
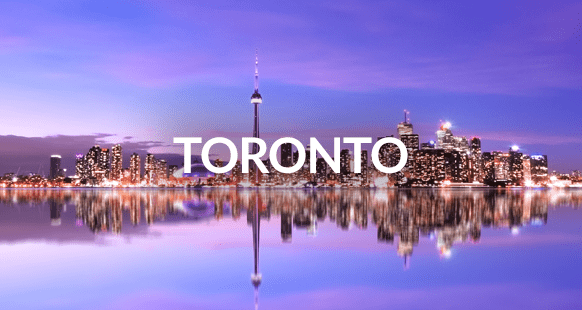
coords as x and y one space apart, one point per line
256 99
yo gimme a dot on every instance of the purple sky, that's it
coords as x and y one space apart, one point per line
146 71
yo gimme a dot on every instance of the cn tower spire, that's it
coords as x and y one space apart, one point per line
256 71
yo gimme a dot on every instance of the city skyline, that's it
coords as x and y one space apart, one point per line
509 85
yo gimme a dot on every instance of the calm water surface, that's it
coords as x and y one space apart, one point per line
335 249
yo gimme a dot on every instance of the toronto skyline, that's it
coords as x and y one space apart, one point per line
79 74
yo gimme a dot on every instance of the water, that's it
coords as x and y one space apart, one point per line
329 249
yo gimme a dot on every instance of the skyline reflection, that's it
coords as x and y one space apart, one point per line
186 244
399 216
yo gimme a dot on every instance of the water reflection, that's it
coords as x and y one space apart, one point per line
402 216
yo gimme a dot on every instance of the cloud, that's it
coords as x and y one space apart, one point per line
31 154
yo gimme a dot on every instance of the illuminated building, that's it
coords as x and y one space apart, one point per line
515 167
321 169
80 166
103 165
428 167
116 162
345 159
161 171
287 155
527 180
475 164
405 128
92 161
445 137
411 142
539 168
488 167
456 166
428 145
501 166
150 169
55 170
364 175
135 168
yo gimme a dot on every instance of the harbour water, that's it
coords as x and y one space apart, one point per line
290 249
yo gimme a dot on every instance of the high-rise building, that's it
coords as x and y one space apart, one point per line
287 155
345 159
161 171
405 128
55 170
364 175
135 168
539 168
428 167
150 169
116 162
475 164
92 161
321 168
103 165
501 166
515 166
80 166
411 142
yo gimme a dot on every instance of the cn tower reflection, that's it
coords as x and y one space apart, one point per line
256 277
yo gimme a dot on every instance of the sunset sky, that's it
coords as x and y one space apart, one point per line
76 73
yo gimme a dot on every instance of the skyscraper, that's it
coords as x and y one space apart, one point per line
80 166
286 154
116 162
55 167
476 165
150 169
134 168
405 128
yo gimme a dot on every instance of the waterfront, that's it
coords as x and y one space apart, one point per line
319 249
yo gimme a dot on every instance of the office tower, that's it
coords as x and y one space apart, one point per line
410 141
162 171
457 166
150 169
256 99
428 167
80 166
501 166
526 164
103 164
475 164
321 170
116 162
345 158
539 168
236 174
134 168
447 141
515 166
92 161
286 154
405 128
445 137
365 178
55 167
488 167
